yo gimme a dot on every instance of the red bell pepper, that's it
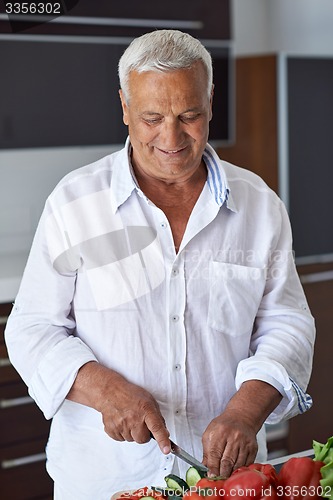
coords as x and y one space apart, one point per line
300 477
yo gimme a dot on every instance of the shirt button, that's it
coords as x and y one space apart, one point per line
175 271
177 367
175 318
164 225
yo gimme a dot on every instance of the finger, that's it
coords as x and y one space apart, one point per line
251 455
113 433
246 455
213 461
228 460
242 460
141 434
161 434
227 465
118 431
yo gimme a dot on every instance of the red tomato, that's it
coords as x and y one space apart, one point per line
210 482
266 469
246 483
141 492
192 494
212 487
144 492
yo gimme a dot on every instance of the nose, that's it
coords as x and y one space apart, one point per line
172 134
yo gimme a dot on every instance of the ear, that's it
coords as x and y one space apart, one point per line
124 106
211 102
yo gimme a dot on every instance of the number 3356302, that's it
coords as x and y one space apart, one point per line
301 491
33 8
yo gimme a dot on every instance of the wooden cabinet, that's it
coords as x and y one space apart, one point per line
23 434
317 422
256 129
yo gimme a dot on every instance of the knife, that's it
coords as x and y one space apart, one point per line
183 455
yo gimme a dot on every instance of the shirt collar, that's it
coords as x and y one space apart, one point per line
124 181
216 179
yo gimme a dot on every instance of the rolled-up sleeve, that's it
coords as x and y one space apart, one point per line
40 332
283 339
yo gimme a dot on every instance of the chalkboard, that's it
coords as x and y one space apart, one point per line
310 153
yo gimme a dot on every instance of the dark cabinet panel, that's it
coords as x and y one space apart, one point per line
203 19
23 436
26 482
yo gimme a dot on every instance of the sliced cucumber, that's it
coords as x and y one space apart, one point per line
148 497
193 475
176 483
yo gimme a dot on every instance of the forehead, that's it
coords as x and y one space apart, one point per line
183 84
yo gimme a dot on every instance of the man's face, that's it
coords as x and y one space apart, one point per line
168 118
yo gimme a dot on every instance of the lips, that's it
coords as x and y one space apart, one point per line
171 152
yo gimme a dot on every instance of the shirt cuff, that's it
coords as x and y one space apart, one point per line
56 373
295 400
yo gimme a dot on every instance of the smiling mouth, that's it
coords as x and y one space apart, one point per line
171 152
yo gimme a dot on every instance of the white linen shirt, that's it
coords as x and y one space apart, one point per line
103 282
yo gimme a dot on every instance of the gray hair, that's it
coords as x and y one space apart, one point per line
161 51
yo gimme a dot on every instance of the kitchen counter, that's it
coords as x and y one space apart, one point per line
278 462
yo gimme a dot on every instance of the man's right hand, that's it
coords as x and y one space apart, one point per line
129 412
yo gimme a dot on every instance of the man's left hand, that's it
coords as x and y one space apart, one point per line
230 440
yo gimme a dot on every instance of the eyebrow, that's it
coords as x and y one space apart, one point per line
154 113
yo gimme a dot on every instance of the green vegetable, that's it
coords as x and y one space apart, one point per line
176 483
324 453
194 475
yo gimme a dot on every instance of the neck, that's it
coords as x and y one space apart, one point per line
170 192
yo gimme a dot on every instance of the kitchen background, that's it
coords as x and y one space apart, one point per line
274 61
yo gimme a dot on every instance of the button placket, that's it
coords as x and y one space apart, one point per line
177 335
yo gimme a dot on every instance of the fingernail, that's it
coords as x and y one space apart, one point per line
166 450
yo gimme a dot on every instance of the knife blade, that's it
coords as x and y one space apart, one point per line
183 455
180 453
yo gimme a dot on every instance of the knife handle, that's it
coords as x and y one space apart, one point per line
171 442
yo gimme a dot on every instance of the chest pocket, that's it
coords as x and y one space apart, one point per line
234 297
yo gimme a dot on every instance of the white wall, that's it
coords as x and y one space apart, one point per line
294 26
251 31
27 176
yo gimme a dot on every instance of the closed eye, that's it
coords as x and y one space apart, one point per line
190 117
151 119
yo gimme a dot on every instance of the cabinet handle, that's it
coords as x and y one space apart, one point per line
316 277
17 462
9 403
4 362
3 320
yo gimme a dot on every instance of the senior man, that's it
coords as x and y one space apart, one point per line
160 295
